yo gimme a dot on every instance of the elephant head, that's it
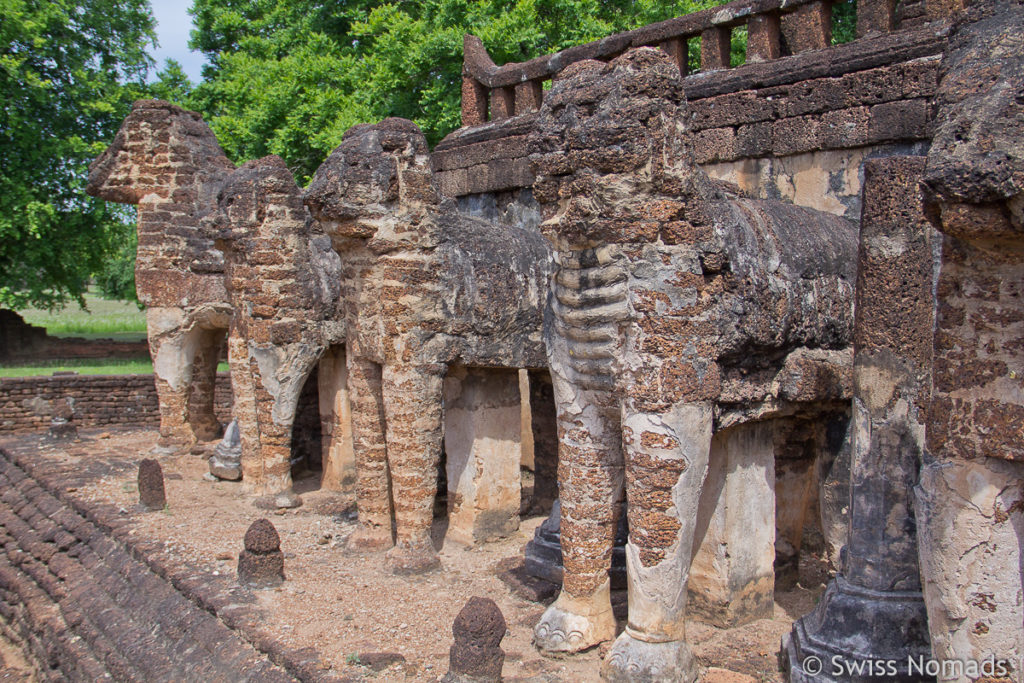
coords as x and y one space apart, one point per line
377 187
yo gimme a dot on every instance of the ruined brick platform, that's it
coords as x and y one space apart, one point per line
89 602
338 616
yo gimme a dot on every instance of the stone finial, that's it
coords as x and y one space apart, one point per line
476 655
226 461
261 564
151 485
62 426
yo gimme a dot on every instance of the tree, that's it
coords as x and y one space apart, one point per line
288 77
68 74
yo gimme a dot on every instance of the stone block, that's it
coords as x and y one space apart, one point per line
716 144
482 443
901 120
338 455
151 485
732 577
970 515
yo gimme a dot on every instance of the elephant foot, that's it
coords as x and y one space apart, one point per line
370 537
413 557
168 446
572 624
208 431
276 501
637 661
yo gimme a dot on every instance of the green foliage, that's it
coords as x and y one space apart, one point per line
288 77
171 84
68 74
844 21
115 278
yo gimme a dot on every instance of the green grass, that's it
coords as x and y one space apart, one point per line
83 366
103 319
86 366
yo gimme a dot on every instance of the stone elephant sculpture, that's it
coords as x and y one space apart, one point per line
669 294
424 288
166 161
283 280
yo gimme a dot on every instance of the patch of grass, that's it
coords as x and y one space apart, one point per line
103 319
83 366
86 366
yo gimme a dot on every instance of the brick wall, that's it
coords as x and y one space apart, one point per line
26 403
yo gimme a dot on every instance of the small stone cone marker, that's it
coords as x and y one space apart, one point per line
476 656
261 564
151 485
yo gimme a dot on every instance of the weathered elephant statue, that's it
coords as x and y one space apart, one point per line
667 289
167 161
424 288
283 280
970 498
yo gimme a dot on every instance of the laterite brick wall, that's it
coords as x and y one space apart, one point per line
26 403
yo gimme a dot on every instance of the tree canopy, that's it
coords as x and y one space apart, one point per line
288 77
68 74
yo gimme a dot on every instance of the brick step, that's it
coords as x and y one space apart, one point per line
88 609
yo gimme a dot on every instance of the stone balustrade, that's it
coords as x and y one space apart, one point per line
775 28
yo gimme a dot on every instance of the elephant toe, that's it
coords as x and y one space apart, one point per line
636 661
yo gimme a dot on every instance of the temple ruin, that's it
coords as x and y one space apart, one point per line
740 301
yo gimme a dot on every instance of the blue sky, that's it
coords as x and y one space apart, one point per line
172 27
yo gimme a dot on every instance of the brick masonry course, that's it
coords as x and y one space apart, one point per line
26 403
90 601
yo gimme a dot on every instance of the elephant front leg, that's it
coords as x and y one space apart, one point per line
666 460
413 406
590 488
172 368
373 494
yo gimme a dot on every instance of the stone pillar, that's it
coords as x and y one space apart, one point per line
339 460
798 445
208 345
874 609
544 423
732 578
715 45
482 443
172 374
808 27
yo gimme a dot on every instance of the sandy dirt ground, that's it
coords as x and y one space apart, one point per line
364 621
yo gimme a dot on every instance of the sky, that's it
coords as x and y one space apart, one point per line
172 28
